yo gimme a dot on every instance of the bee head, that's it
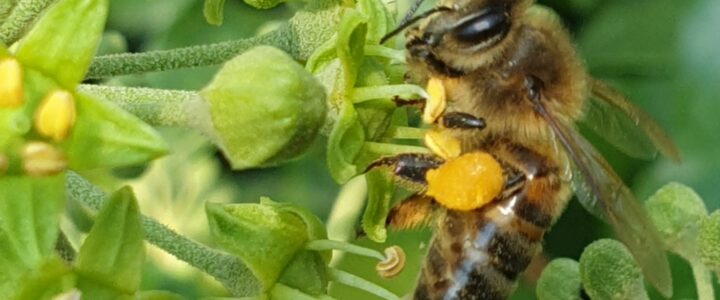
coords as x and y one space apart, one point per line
461 35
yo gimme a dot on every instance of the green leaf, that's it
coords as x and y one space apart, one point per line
264 237
105 136
213 11
110 260
30 208
380 194
64 41
266 108
159 295
560 280
378 22
609 271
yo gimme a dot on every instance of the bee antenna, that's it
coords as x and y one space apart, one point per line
407 20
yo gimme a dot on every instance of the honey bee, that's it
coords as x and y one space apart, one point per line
504 80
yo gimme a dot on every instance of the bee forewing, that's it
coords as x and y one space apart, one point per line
603 193
626 127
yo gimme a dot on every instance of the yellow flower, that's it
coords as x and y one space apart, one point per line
11 89
56 115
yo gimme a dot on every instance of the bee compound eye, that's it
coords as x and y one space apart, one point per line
489 25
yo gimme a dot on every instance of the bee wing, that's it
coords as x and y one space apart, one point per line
625 126
602 192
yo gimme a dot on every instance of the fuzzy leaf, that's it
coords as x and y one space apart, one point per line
609 271
64 41
709 241
560 280
676 210
110 260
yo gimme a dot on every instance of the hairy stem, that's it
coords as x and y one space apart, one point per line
156 107
227 269
22 16
703 280
188 57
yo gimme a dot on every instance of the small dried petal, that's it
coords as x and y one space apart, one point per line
42 159
393 263
436 102
11 87
56 115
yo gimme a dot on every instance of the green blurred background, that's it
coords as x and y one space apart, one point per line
663 54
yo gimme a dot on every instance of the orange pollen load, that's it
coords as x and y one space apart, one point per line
466 182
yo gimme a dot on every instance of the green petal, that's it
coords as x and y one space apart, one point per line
380 194
52 278
104 135
64 41
344 144
213 11
110 260
30 208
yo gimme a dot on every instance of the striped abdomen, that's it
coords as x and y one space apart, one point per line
479 254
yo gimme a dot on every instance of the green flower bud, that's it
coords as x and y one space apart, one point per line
560 280
270 239
609 271
709 241
676 210
265 108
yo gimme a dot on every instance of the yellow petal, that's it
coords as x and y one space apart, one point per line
436 102
56 115
42 159
11 89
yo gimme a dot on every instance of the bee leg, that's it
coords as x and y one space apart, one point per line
414 212
418 103
410 167
459 120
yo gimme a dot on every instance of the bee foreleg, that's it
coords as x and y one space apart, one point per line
410 167
459 120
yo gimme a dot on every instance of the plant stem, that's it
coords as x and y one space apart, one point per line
320 245
188 57
157 107
227 269
360 283
392 149
404 132
703 280
23 15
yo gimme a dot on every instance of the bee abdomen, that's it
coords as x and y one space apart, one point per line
478 255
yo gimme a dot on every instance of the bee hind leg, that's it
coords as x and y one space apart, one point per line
413 212
408 167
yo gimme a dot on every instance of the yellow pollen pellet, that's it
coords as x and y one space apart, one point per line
443 145
11 87
42 159
467 182
56 115
436 102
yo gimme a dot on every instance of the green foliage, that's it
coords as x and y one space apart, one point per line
676 211
560 280
109 263
263 125
609 271
709 241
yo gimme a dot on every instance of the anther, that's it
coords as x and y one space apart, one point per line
42 159
56 115
11 88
